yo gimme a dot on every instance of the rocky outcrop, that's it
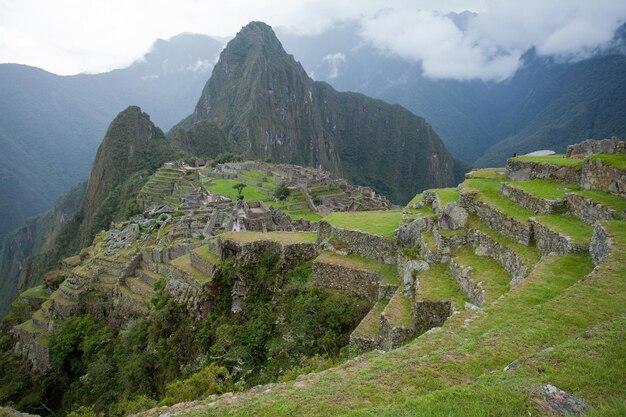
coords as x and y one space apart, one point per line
518 170
600 244
409 233
530 202
597 175
589 147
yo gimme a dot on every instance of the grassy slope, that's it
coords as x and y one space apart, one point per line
449 372
558 160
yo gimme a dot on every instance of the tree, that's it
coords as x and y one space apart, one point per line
282 192
239 187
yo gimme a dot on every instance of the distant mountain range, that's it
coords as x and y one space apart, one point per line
51 126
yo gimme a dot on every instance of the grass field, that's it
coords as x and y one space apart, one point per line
558 160
383 223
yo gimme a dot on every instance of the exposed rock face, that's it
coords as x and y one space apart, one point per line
588 147
599 176
532 203
452 217
526 171
600 244
561 402
376 248
409 234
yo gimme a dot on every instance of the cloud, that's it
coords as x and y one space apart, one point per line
70 36
494 40
334 61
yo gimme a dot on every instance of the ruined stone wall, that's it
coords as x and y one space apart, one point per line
551 243
588 147
508 259
600 244
472 289
517 231
374 247
526 171
429 314
589 211
530 202
349 280
392 337
409 234
249 254
598 176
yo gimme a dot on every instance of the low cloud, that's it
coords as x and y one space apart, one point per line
334 61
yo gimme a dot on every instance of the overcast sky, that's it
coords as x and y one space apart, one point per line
72 36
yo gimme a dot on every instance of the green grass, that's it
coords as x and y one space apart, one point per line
383 223
606 199
489 192
437 284
388 272
495 280
225 187
544 189
568 226
558 160
208 255
399 311
447 195
616 160
281 237
39 291
369 327
529 254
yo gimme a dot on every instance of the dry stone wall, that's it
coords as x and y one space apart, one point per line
472 289
550 242
497 221
359 282
598 176
508 259
525 171
590 211
391 336
532 203
429 314
376 248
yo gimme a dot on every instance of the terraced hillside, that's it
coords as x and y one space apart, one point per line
504 296
509 292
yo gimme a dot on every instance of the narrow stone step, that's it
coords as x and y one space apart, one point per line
183 270
40 320
396 322
129 303
147 276
108 278
592 206
139 287
559 235
64 307
429 250
366 336
70 293
518 260
538 196
480 278
106 288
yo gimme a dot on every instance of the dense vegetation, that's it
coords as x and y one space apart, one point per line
168 357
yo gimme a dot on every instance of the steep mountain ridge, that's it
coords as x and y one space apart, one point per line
269 107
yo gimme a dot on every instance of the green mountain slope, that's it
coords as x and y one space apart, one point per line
269 107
